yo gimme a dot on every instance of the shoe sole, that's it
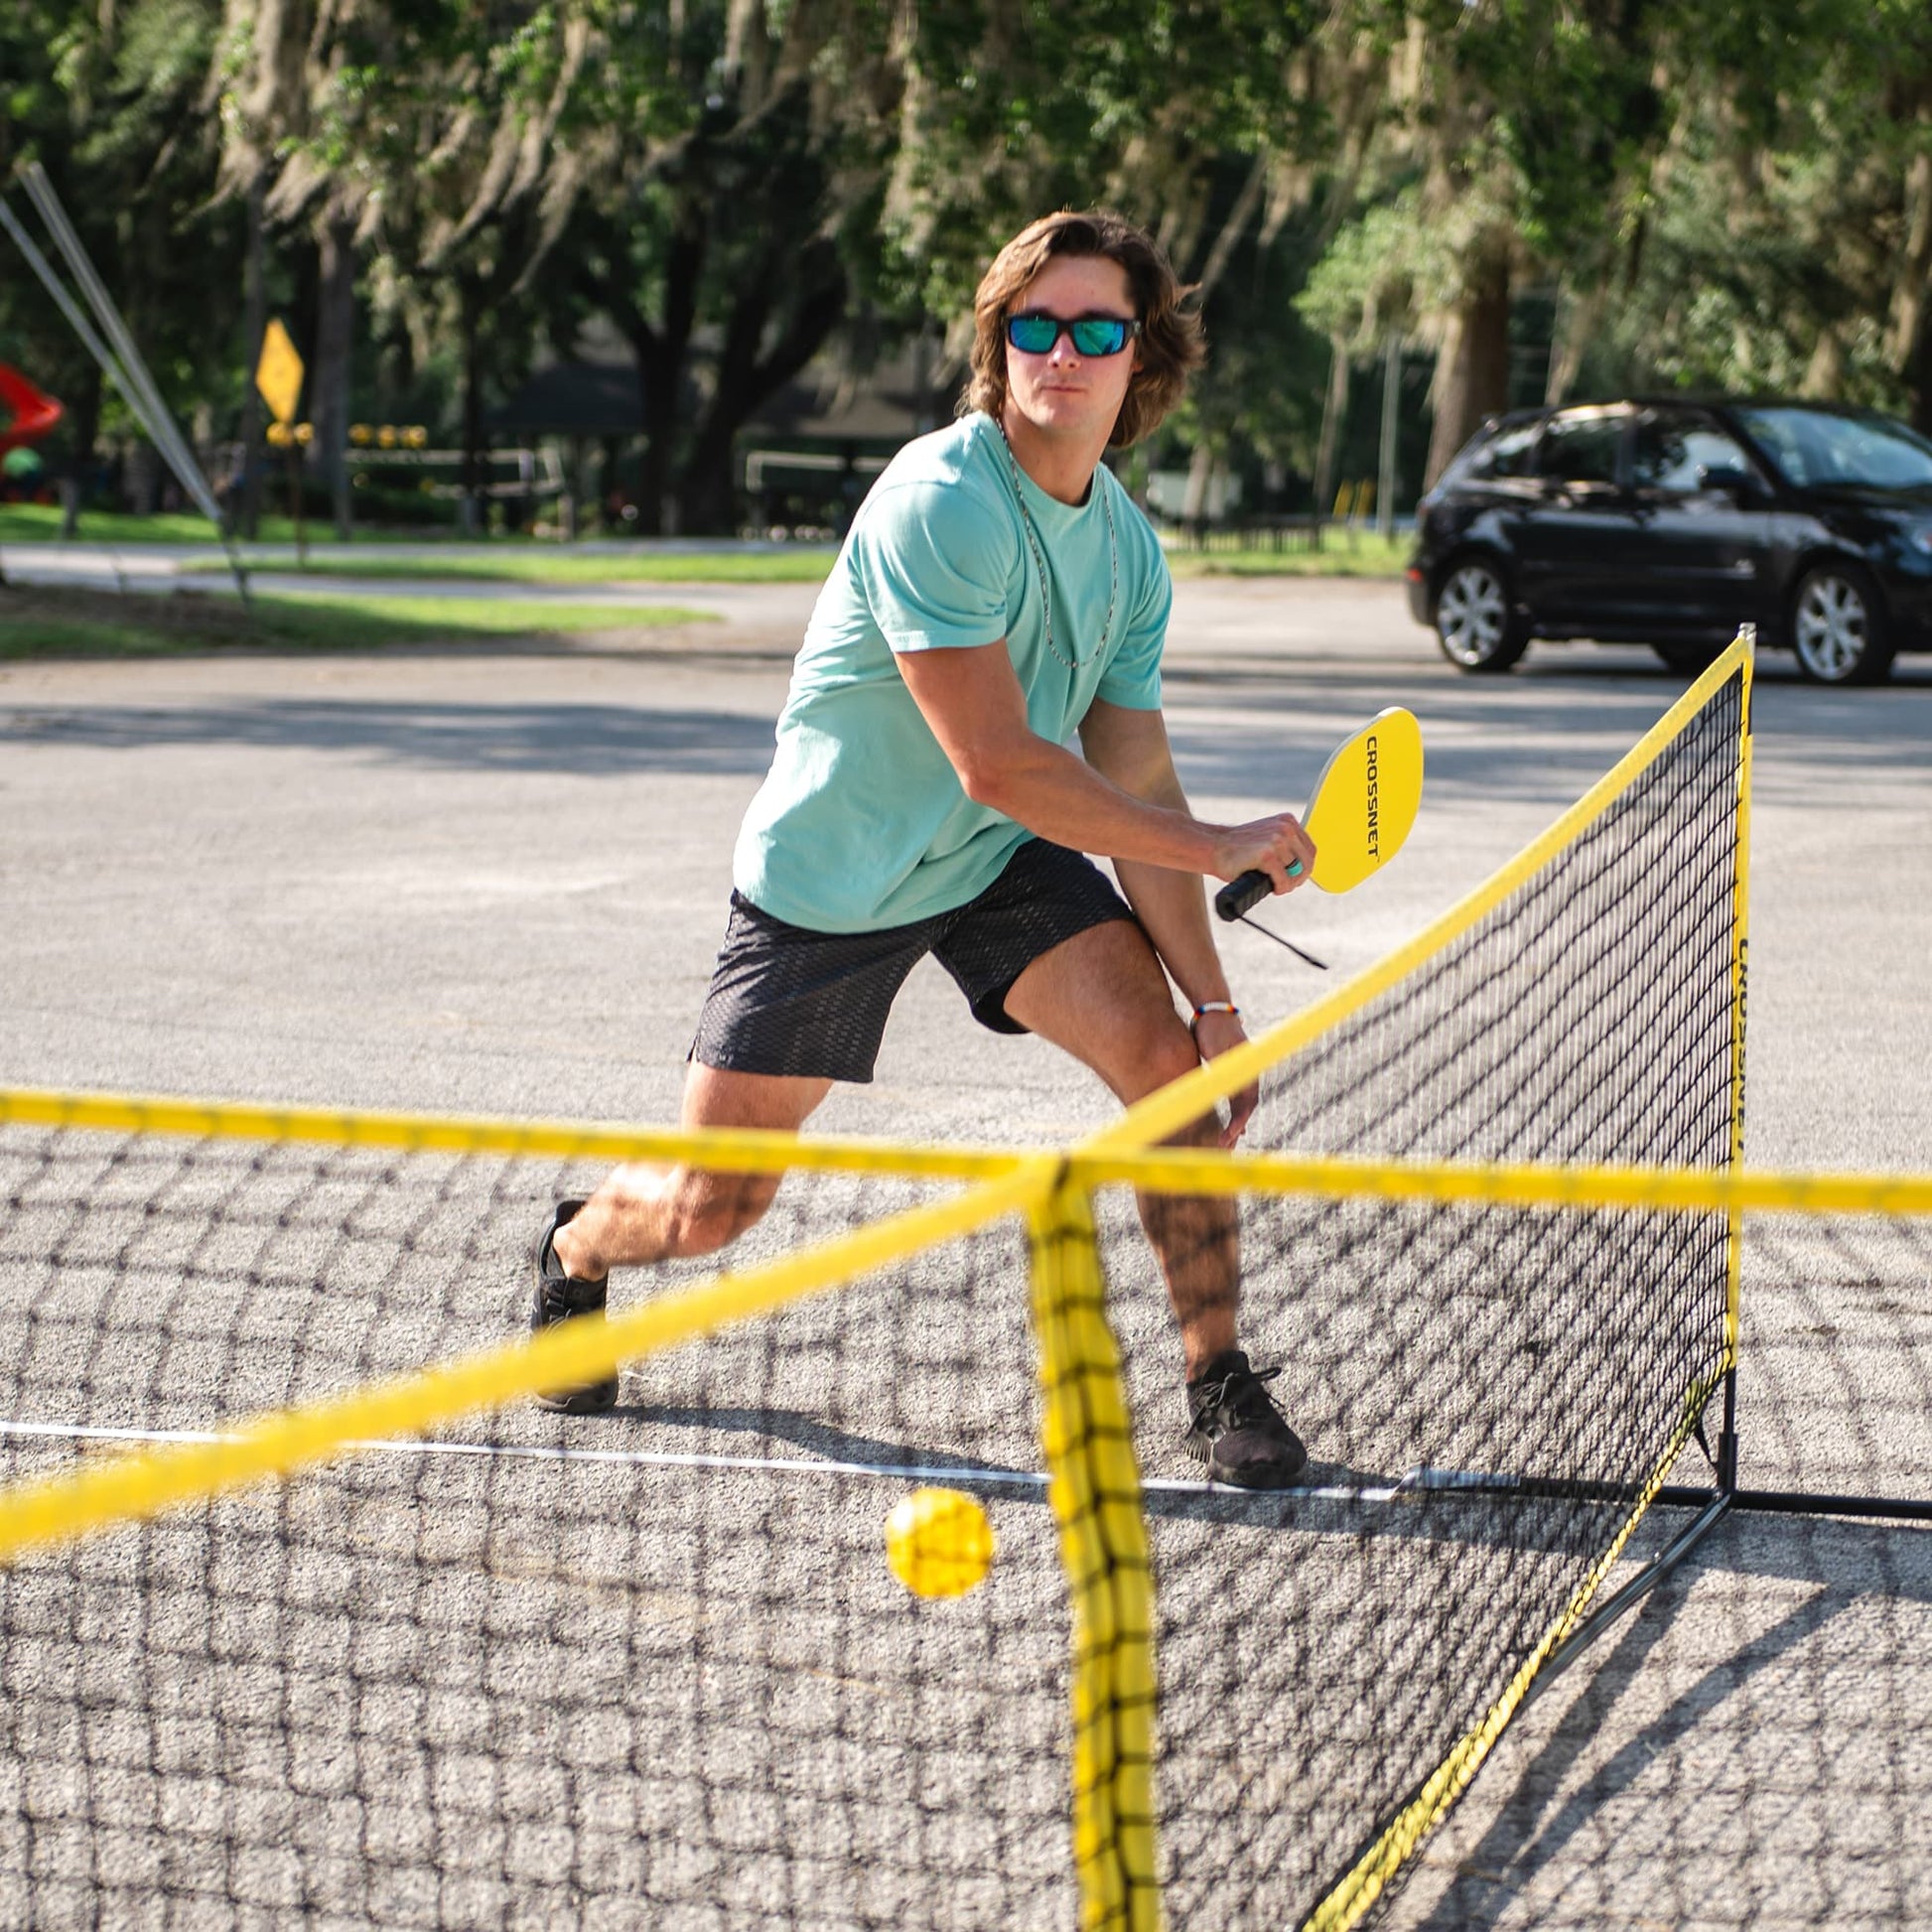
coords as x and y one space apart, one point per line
1271 1476
579 1402
591 1399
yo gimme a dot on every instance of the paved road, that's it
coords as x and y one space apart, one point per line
535 847
493 882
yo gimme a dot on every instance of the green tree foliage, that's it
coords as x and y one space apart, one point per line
1203 122
1702 194
1787 242
1512 142
1015 108
1723 198
717 169
457 127
296 78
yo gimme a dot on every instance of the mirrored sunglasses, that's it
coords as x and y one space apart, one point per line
1035 334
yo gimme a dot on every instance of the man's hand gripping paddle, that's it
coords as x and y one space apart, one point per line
1364 803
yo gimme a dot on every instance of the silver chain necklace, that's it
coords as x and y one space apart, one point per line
1075 663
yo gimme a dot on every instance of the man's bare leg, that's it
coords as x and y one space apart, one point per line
1102 997
645 1212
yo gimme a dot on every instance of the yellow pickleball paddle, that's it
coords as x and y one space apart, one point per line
1365 800
1363 807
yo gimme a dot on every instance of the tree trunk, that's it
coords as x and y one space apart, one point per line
709 492
570 509
1472 374
745 379
474 502
141 478
609 458
658 377
1334 408
663 353
707 488
1918 374
1385 455
84 418
1197 499
1582 317
245 512
1233 228
1913 262
1824 379
335 332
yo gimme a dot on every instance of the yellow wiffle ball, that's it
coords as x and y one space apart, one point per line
939 1541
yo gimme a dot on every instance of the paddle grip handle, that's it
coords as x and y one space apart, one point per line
1238 895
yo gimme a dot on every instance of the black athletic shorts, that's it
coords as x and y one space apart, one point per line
790 1001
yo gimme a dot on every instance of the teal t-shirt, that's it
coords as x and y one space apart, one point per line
862 822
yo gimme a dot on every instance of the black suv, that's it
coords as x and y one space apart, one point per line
1670 523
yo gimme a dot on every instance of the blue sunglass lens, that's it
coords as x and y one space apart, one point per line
1099 337
1035 334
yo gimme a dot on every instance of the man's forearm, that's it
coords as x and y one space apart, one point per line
1159 848
1172 907
1121 799
1058 796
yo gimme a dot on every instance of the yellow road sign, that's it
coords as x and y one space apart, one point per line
278 374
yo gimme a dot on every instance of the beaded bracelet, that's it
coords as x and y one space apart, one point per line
1212 1005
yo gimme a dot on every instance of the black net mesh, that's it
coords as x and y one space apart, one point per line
646 1668
1750 1749
1484 1390
1837 1332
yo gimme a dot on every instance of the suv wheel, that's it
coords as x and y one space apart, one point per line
1838 626
1474 624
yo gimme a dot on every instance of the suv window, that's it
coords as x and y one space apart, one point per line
1672 453
1506 453
1581 449
1816 446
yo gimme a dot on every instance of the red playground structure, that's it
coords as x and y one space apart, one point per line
31 413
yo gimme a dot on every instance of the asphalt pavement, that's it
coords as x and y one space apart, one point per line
492 883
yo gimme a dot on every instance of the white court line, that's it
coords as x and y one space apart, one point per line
667 1458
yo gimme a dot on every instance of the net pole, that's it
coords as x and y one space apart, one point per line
1630 1596
1350 1898
1095 1489
131 374
1739 970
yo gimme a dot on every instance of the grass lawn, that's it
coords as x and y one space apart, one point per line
38 623
807 564
525 560
41 523
1340 555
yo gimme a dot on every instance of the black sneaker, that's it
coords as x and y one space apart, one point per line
564 1298
1237 1430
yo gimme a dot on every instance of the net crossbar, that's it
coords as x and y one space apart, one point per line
307 1612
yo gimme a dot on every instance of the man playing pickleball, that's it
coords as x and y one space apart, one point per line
998 592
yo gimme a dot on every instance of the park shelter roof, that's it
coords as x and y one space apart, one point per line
597 394
575 399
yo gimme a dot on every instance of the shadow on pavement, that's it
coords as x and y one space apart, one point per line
588 741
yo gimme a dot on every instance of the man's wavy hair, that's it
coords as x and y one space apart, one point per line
1172 346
